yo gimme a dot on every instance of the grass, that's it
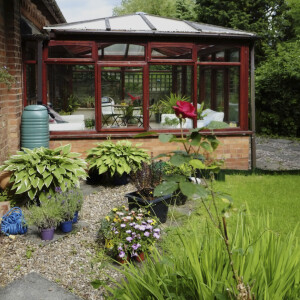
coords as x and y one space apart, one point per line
277 194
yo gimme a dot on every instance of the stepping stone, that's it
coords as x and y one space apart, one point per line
35 287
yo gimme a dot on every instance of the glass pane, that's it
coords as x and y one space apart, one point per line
218 53
171 53
168 84
218 88
121 52
70 51
31 84
234 95
71 94
122 97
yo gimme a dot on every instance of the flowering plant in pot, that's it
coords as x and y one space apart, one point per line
69 201
45 216
129 233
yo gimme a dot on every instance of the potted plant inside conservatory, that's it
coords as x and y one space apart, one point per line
129 234
45 215
117 160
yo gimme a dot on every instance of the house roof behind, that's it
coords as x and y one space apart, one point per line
140 23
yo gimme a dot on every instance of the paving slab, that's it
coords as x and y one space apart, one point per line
35 287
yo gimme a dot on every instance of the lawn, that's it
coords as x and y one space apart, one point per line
277 194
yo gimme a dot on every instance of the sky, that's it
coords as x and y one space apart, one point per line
81 10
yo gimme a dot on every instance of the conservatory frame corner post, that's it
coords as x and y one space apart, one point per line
253 119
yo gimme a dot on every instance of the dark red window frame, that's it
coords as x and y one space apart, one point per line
244 67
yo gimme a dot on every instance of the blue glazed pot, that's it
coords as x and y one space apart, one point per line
66 226
75 219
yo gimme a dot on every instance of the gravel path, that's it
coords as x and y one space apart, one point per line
70 261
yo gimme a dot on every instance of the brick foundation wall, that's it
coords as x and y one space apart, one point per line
10 99
235 150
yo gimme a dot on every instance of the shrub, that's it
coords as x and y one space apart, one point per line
196 265
120 157
38 172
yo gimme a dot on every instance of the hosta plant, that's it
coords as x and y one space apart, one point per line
116 158
38 172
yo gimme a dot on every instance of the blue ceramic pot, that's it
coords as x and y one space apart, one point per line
66 226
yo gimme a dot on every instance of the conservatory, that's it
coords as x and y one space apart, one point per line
119 76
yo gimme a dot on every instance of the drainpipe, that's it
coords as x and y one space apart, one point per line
39 71
252 95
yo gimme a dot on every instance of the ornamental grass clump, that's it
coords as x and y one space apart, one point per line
127 233
36 173
194 265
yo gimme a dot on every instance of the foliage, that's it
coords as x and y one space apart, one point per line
183 9
167 104
5 196
120 157
278 91
147 178
38 172
70 201
171 122
127 232
294 12
5 77
70 105
89 123
269 19
46 215
195 265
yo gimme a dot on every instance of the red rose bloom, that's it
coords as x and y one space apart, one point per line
185 110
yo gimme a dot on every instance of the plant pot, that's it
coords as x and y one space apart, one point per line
158 207
4 179
66 226
75 219
47 234
157 117
140 257
178 198
121 260
120 180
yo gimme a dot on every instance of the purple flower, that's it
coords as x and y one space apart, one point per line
144 223
121 254
58 190
129 239
128 231
116 232
137 227
150 221
134 254
149 227
136 246
123 225
133 234
146 233
132 224
156 235
120 248
142 228
156 230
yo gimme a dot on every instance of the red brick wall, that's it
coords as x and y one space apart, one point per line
235 150
10 99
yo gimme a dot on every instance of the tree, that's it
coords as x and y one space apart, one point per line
278 91
268 18
181 9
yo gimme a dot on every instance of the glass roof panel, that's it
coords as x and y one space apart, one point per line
133 23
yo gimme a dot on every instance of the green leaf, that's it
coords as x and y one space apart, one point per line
206 146
143 134
165 188
178 160
96 283
32 193
40 169
48 180
197 164
165 138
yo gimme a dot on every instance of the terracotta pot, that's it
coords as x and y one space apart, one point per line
4 179
140 257
121 260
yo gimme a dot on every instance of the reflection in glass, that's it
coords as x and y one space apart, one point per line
218 53
171 53
167 85
31 84
218 88
122 97
71 93
70 51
